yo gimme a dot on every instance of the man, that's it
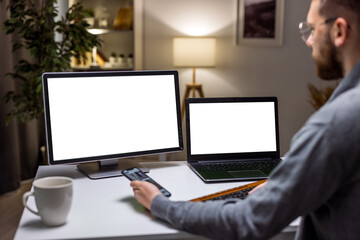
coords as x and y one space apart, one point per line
320 177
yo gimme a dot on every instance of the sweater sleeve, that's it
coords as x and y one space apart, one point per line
300 184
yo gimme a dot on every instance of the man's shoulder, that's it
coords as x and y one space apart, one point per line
340 117
346 107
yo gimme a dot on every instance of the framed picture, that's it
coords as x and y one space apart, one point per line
260 22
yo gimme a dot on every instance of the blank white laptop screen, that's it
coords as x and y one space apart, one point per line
110 115
232 127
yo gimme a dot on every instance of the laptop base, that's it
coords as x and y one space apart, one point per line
233 174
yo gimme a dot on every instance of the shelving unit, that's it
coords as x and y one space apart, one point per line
114 40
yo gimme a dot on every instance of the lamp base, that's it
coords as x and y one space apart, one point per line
191 87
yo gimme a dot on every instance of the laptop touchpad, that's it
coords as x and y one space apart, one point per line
247 173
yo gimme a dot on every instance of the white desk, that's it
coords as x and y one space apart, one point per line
106 208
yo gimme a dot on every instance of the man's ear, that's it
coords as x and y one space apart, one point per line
340 31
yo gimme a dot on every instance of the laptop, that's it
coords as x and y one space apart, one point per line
232 139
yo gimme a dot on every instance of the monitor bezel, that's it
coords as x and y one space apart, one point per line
216 157
47 110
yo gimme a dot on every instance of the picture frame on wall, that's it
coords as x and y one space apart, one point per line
260 22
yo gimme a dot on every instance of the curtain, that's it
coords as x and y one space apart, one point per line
19 142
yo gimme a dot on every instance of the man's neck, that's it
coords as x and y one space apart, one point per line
349 64
350 55
351 51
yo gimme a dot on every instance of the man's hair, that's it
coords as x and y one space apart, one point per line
341 8
330 7
327 6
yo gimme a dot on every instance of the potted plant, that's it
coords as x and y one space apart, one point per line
36 30
319 96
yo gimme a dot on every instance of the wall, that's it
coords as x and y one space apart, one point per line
240 70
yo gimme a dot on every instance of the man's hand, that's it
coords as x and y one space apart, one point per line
144 192
257 187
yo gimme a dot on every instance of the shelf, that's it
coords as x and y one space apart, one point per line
101 31
83 69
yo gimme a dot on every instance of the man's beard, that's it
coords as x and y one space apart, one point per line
327 64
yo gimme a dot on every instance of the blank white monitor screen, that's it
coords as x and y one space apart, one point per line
103 115
232 127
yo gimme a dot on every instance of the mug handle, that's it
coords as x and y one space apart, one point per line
24 200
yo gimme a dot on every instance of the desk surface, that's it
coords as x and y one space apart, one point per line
107 209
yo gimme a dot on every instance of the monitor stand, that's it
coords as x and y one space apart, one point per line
108 168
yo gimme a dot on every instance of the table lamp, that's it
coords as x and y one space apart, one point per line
193 52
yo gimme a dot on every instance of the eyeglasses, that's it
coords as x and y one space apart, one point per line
307 30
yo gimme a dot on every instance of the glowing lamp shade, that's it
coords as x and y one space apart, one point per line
194 52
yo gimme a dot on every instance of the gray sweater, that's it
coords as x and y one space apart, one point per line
319 180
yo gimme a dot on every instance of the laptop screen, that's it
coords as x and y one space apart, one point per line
232 126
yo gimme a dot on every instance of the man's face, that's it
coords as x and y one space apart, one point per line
324 52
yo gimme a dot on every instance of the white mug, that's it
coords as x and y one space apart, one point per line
53 197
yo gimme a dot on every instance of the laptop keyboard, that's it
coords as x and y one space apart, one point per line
240 192
258 165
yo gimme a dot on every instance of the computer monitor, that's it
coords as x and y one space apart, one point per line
104 116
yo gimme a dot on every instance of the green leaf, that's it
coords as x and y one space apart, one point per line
16 46
38 89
